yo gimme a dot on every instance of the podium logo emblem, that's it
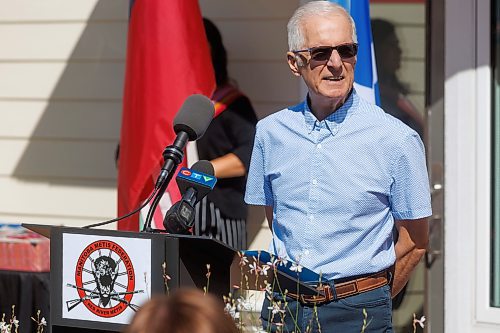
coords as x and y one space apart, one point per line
104 280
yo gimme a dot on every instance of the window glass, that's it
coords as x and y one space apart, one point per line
399 40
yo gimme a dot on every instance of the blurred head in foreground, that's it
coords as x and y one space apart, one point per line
183 311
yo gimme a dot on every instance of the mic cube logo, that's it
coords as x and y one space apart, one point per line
104 280
186 176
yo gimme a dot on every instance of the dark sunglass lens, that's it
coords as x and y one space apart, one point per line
321 53
347 51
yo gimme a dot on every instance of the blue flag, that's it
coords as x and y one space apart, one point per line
365 74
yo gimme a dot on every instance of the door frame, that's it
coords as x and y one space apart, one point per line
468 107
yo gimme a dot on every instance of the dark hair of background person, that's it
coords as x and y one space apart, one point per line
183 311
217 51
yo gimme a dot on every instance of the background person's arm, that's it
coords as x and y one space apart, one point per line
238 122
228 166
410 248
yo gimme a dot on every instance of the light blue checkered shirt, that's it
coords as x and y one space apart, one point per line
336 186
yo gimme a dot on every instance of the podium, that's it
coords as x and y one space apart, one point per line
99 278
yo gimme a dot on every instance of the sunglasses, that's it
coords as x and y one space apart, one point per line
323 53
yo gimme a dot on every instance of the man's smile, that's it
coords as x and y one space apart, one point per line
334 78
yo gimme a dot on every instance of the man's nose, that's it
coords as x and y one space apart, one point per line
335 60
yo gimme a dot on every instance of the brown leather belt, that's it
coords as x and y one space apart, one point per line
343 289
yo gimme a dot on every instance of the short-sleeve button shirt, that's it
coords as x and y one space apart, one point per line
337 185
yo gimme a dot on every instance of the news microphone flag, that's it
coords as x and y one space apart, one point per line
365 74
190 178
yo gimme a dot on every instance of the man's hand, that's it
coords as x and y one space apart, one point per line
410 248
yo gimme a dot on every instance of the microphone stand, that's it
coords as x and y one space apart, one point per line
172 157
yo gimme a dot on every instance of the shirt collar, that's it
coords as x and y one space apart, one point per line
334 119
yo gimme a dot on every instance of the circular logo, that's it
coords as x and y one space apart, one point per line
105 278
186 172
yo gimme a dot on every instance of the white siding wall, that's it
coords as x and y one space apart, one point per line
61 81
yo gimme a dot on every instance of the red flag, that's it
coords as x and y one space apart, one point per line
168 59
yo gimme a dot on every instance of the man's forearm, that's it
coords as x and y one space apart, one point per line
403 268
409 248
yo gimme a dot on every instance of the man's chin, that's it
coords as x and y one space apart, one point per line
337 94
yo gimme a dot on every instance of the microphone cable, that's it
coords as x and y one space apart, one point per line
124 216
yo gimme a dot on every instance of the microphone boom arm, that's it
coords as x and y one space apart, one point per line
172 156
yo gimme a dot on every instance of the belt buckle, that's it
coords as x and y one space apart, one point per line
315 299
312 299
327 290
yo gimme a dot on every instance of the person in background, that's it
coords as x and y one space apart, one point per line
184 311
227 144
335 174
392 91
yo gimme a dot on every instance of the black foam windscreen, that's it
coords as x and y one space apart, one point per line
194 116
204 166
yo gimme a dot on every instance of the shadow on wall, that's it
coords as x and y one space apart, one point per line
75 139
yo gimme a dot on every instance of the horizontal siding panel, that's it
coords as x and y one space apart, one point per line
251 40
62 10
265 82
58 160
69 221
62 120
246 9
61 41
400 13
62 80
88 199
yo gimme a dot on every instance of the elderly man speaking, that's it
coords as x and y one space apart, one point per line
335 174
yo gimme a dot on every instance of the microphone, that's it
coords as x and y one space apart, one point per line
190 123
194 184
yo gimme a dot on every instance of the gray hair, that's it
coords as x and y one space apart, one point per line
310 9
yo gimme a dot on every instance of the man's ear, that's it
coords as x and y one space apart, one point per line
293 62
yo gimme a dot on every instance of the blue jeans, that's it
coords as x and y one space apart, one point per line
365 312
